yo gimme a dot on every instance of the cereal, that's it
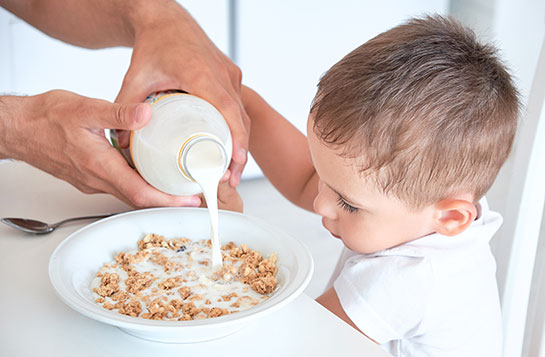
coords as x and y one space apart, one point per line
173 280
108 285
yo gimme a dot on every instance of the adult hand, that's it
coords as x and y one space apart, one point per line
228 196
63 133
172 52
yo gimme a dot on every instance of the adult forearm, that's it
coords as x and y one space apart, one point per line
93 23
3 129
9 110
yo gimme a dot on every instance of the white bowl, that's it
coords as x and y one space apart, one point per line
77 259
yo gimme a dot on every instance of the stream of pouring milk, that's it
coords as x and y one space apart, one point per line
205 163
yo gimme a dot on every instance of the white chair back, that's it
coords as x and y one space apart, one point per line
526 199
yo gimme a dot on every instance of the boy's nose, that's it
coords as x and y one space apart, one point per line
324 205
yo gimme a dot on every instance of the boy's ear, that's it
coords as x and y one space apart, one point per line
453 216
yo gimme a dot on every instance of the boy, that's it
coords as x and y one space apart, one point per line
405 135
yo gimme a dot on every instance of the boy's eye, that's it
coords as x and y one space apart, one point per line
344 205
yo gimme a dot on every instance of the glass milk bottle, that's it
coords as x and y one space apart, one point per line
182 129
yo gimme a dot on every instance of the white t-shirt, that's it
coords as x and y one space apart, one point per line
435 296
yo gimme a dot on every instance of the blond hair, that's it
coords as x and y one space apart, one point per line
425 109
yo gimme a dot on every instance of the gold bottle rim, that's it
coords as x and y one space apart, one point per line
190 142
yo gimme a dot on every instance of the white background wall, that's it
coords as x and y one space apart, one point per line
520 29
34 63
285 46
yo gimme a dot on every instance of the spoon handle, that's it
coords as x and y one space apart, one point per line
55 225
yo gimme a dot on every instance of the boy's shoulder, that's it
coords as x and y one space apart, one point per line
432 265
412 289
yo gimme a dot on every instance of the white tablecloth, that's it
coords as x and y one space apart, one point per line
35 322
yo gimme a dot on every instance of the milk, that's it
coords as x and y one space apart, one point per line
196 276
205 163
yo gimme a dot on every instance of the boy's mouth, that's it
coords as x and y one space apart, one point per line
329 230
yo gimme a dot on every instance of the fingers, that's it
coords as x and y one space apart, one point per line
236 169
240 134
228 197
104 164
126 184
226 176
239 122
118 116
123 138
233 111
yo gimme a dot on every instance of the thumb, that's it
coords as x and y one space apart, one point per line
124 116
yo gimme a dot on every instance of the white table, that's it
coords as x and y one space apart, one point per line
35 322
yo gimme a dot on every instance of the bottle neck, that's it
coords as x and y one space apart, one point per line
198 142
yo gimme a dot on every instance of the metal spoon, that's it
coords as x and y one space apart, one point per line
37 227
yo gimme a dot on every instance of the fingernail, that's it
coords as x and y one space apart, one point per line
195 201
138 114
141 113
226 177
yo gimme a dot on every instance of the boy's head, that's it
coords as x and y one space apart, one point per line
424 113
